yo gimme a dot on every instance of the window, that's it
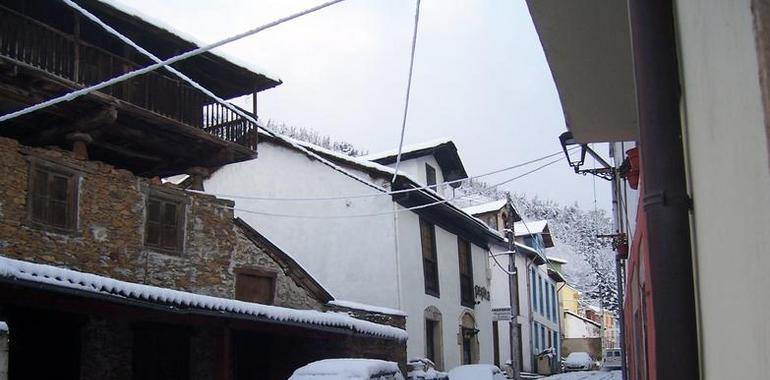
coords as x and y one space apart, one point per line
540 294
466 273
533 285
53 197
256 286
165 224
429 257
430 176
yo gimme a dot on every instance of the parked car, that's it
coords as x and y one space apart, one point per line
612 358
578 361
348 369
423 369
476 372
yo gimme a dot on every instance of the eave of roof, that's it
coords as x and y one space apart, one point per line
259 78
67 281
410 199
444 150
588 47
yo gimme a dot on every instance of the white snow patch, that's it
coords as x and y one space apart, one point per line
536 227
175 179
587 375
486 207
365 307
3 326
351 369
476 372
46 274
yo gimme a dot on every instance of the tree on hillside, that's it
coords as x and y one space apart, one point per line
314 137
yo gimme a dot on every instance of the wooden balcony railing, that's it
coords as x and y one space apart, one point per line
27 40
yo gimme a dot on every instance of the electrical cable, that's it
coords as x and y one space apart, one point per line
209 93
408 89
442 201
200 50
388 193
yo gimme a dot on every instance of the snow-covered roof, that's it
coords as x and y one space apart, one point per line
557 260
127 9
11 269
406 149
382 170
486 207
584 319
533 253
365 307
534 227
353 369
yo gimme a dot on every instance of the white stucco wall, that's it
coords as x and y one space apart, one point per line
729 176
355 258
449 284
415 168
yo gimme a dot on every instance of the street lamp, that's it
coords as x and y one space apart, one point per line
576 159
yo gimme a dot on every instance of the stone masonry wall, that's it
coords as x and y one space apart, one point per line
109 238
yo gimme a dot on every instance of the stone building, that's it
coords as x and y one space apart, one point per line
107 273
121 306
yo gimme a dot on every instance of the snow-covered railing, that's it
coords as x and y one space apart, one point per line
66 56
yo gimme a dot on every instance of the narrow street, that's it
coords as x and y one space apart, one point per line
592 375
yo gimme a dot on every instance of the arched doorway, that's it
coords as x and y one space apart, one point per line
434 347
469 341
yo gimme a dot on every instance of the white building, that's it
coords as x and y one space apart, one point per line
537 314
365 246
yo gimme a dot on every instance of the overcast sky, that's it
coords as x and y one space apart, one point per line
480 78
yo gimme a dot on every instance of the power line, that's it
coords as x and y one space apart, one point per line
387 193
426 205
408 89
209 93
200 50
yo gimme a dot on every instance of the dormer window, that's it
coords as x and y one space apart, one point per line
430 176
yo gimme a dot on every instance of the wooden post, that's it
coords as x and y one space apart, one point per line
80 142
197 174
224 357
76 56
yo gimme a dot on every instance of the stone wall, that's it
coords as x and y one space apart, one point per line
381 318
109 237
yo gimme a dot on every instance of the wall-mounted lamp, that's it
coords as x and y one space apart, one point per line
576 157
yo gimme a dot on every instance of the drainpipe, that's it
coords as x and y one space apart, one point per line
666 202
620 212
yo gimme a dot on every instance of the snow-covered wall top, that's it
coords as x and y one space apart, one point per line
45 274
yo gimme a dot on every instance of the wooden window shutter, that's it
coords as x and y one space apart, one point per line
52 197
164 224
429 257
255 286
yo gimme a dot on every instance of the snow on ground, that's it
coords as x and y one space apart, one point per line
586 375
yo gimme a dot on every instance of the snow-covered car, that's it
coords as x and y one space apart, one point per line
348 369
476 372
423 369
578 361
612 359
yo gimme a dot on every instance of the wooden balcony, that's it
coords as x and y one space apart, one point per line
161 121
